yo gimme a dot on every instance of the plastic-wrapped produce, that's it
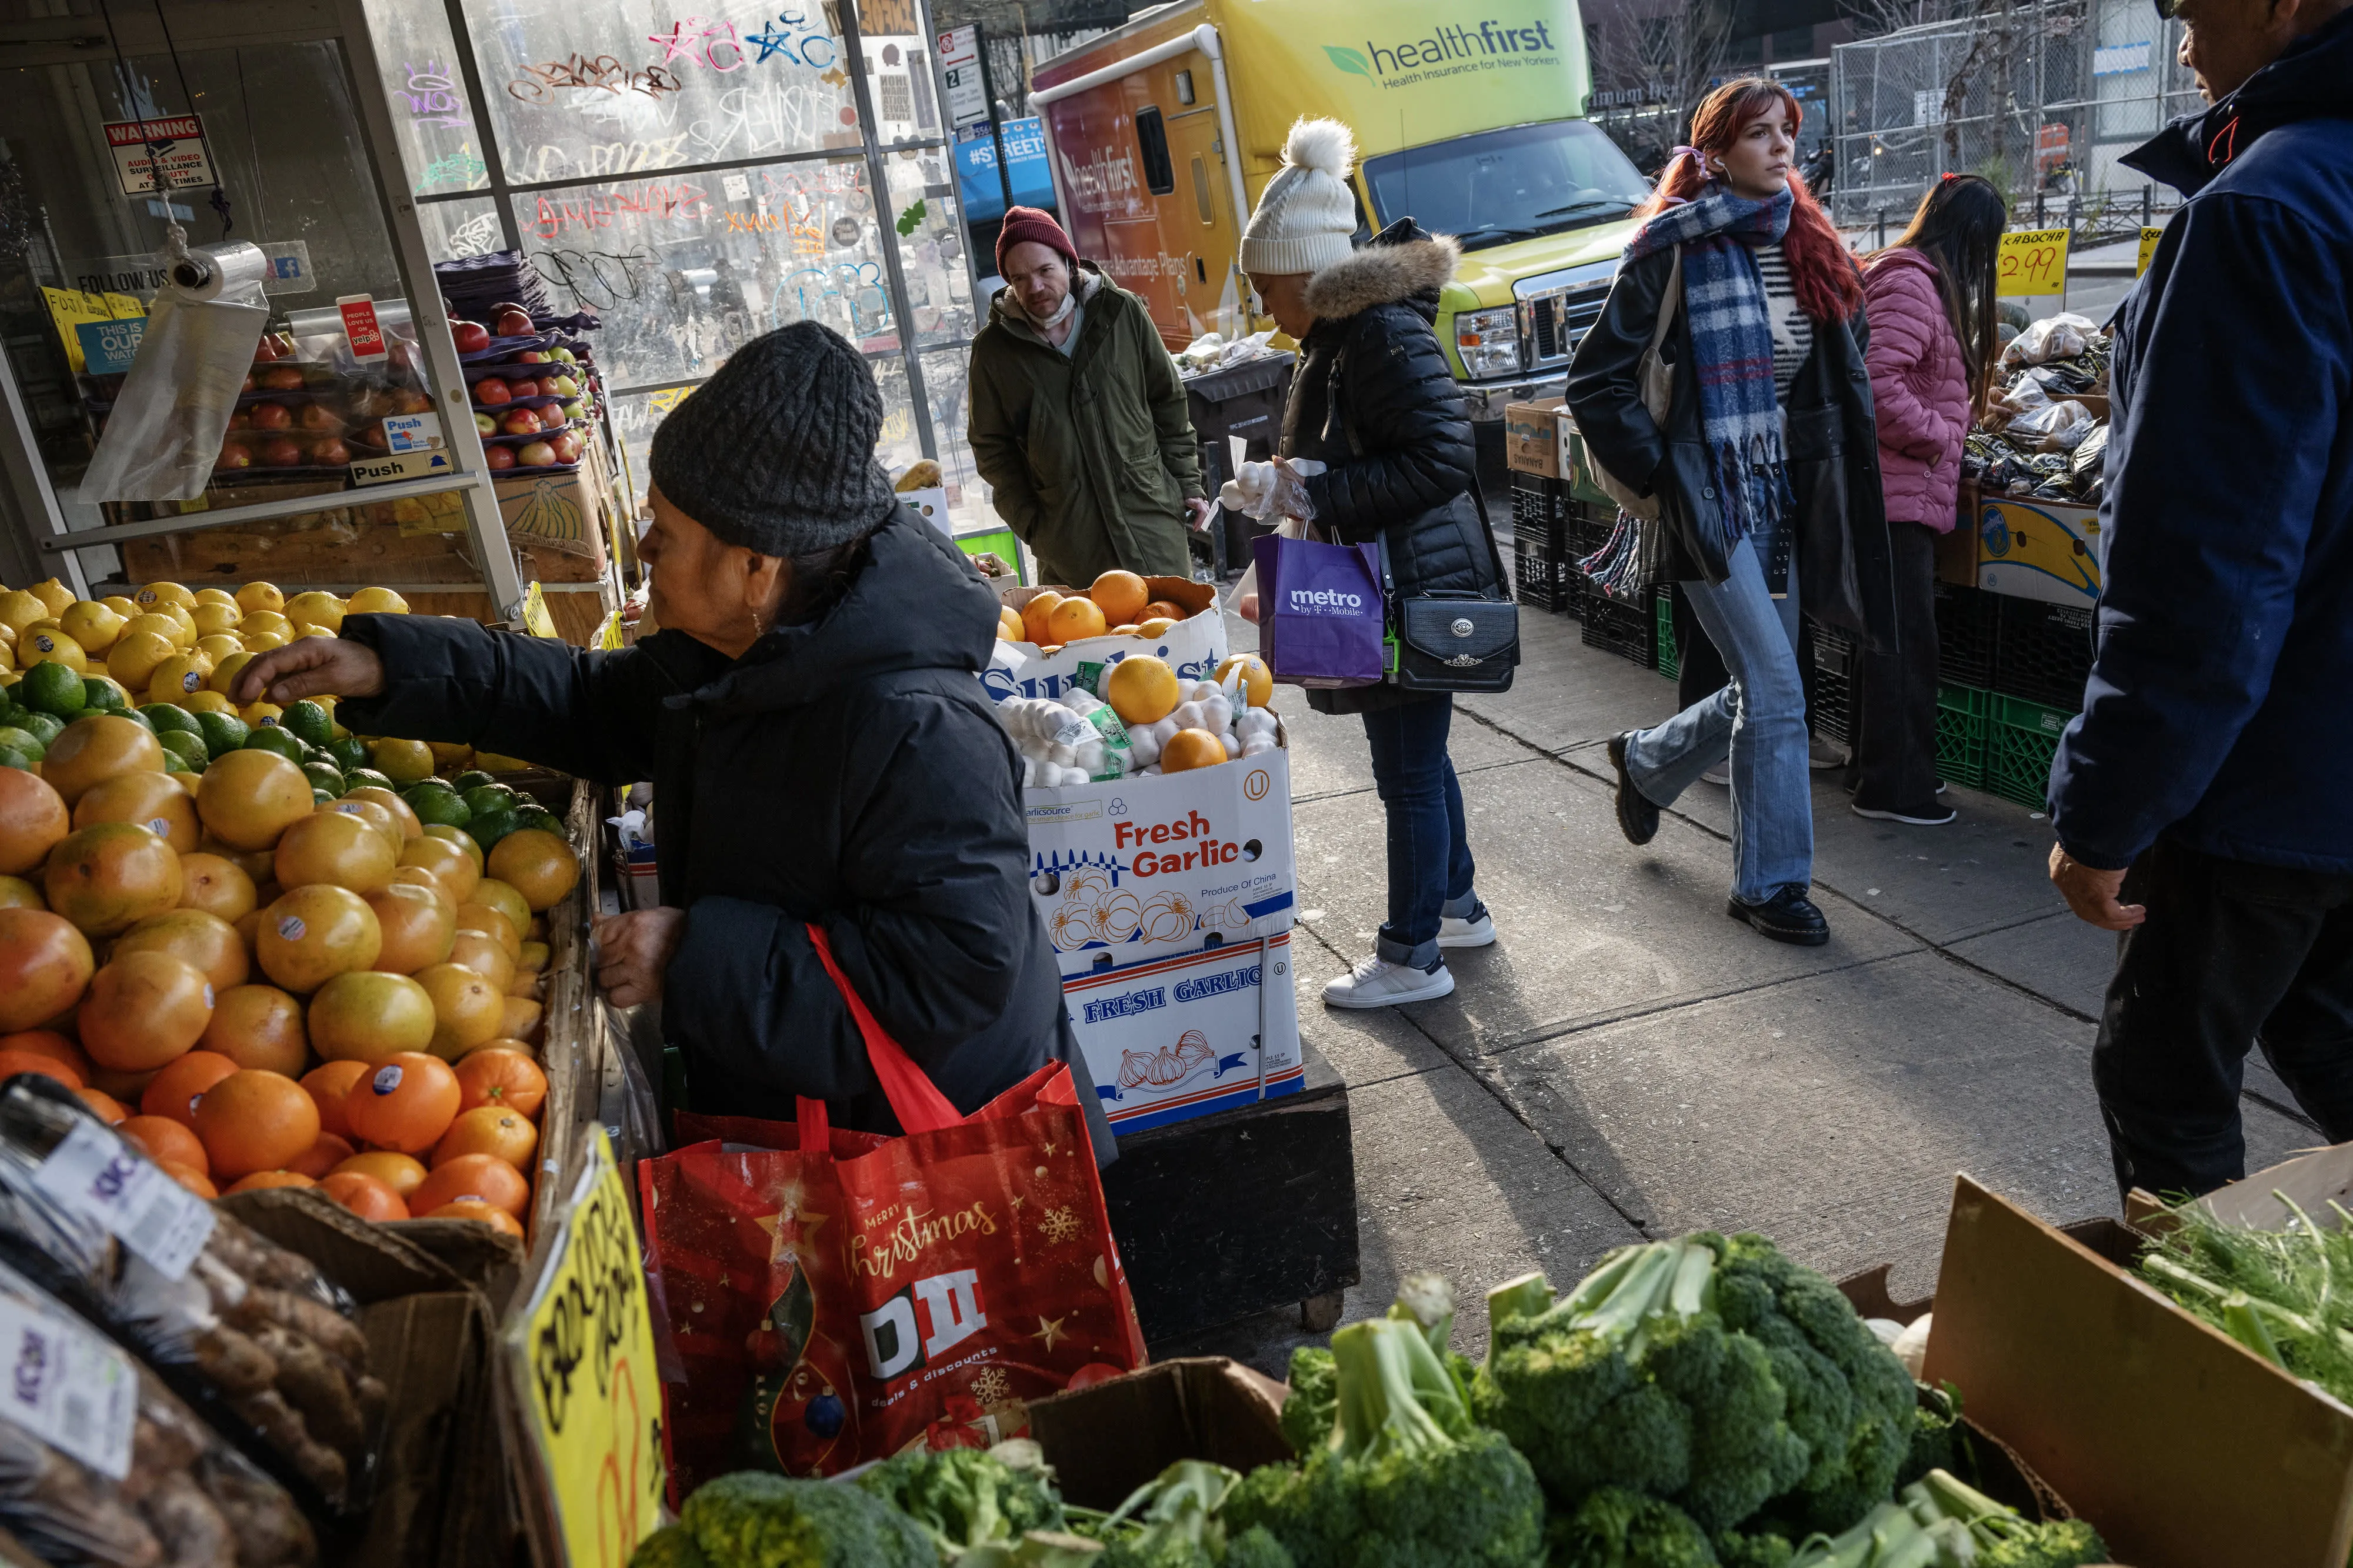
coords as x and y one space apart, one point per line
2054 427
252 1335
2063 336
102 1465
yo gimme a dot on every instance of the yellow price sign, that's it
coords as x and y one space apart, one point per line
535 618
2032 262
2148 238
583 1353
609 635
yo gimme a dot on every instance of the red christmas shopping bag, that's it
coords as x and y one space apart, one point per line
837 1297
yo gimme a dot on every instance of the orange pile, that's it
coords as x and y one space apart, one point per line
1118 604
297 995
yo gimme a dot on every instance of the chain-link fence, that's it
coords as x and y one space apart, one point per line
2041 98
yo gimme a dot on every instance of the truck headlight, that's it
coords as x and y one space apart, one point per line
1489 341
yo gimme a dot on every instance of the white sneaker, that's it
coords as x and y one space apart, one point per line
1377 983
1479 931
1719 774
1823 754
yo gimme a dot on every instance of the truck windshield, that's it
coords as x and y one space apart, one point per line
1515 183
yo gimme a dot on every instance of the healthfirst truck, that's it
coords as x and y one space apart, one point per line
1468 124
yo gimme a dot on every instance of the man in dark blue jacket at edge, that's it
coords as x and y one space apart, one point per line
2204 800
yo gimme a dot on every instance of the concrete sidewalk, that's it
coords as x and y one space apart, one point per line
1627 1062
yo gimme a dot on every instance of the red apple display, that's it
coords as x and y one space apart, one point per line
370 436
329 453
522 388
496 458
575 410
408 400
491 392
283 453
271 417
534 455
519 422
486 426
240 420
472 336
559 386
317 416
566 446
564 354
234 455
285 378
513 322
265 351
531 356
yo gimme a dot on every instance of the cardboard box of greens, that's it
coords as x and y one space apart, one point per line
1108 1440
2186 1450
440 1490
1532 437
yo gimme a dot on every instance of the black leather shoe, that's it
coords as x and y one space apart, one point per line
1788 916
1637 819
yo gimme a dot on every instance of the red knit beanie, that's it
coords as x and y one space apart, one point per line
1029 223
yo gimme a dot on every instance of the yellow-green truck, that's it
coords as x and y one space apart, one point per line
1162 133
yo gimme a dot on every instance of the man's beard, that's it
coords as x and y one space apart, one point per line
1062 310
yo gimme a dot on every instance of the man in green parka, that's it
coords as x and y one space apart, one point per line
1078 418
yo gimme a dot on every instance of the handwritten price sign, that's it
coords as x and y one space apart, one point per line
2034 262
581 1355
2148 238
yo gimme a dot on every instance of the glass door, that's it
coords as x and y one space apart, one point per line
237 123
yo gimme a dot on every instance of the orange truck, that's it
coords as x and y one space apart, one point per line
1162 134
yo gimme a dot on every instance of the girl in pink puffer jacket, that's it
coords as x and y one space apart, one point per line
1929 299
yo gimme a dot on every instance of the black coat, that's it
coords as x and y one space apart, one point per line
1373 398
847 772
1845 570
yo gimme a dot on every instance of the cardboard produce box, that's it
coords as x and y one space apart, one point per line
2039 550
2186 1450
1532 437
440 1486
1170 900
1194 646
1106 1440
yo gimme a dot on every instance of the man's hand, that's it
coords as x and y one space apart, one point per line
632 951
2092 893
1200 511
309 667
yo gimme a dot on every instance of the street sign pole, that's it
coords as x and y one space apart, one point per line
995 125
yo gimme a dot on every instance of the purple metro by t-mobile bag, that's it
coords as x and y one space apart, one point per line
1320 617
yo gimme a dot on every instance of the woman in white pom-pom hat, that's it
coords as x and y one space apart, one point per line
1374 399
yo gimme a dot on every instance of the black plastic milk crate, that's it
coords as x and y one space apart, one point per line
1626 627
1837 682
1586 526
1535 518
2042 652
1539 579
1966 619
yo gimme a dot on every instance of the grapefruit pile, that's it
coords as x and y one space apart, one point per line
266 981
1118 604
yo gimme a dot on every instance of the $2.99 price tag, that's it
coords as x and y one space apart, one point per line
68 1387
2032 262
92 1174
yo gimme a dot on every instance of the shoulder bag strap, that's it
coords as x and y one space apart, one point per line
1668 301
914 1100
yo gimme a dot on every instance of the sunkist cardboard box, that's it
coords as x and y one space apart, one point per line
2186 1450
1169 897
1532 437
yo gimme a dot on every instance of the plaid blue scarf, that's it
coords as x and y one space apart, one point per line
1732 348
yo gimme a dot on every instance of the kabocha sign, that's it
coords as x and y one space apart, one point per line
1446 50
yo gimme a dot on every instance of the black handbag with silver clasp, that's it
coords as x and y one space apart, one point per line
1451 639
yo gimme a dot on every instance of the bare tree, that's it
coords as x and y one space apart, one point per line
1672 54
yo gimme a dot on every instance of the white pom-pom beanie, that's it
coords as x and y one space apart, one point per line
1307 213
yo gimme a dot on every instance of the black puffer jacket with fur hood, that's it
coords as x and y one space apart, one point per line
1374 399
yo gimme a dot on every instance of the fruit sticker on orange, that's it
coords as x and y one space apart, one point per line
361 327
68 1387
95 1175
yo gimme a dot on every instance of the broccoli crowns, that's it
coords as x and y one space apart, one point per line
1712 1373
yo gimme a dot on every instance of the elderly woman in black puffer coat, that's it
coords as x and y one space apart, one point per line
1372 398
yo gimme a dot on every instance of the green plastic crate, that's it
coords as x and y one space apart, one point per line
2019 746
1669 660
1961 721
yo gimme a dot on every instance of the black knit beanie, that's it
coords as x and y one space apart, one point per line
776 453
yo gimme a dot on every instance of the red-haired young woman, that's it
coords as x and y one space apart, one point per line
1765 468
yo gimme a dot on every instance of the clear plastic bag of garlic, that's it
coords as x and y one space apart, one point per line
1070 740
